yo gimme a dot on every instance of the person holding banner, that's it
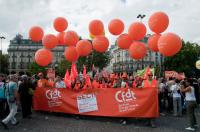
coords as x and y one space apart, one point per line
150 83
59 83
42 82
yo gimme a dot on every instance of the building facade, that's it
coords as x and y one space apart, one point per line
122 62
22 51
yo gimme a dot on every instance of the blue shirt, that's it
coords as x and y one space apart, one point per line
11 86
2 90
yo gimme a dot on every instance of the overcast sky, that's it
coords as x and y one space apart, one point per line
17 16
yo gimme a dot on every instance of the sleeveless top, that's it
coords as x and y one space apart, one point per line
190 96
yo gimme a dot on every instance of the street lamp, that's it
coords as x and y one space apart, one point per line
141 16
1 37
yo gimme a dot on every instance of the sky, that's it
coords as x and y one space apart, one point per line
18 16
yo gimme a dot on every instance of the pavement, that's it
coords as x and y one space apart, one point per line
56 122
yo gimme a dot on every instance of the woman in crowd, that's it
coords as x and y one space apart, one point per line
191 104
177 106
25 92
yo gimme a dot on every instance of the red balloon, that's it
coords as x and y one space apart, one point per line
116 26
49 41
169 44
71 38
124 41
137 31
71 54
60 37
100 43
153 42
96 27
84 47
158 22
60 24
43 57
36 33
137 50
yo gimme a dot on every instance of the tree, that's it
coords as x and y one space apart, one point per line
185 60
4 63
34 68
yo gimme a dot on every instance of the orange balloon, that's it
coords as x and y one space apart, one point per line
137 50
153 42
49 41
158 22
36 33
43 57
169 44
124 41
71 38
60 24
71 54
116 26
84 47
60 37
137 31
100 43
96 27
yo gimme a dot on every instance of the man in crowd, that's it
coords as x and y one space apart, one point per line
13 101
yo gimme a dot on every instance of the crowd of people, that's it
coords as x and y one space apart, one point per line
175 96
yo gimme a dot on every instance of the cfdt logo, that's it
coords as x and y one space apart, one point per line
122 96
53 94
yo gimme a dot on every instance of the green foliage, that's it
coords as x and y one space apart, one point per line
4 63
185 60
62 66
34 68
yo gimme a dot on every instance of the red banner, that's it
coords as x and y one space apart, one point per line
174 74
120 102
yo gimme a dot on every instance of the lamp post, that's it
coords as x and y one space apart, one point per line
1 37
141 16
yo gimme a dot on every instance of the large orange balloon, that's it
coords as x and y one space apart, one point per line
169 44
124 41
100 43
49 41
36 33
60 37
116 26
153 42
43 57
158 22
137 31
60 24
71 38
71 54
96 27
84 47
137 50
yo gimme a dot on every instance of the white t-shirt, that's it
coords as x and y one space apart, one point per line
190 96
123 84
161 87
60 84
174 89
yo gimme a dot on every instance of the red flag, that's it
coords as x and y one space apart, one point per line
74 72
88 81
93 68
147 71
84 71
67 79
